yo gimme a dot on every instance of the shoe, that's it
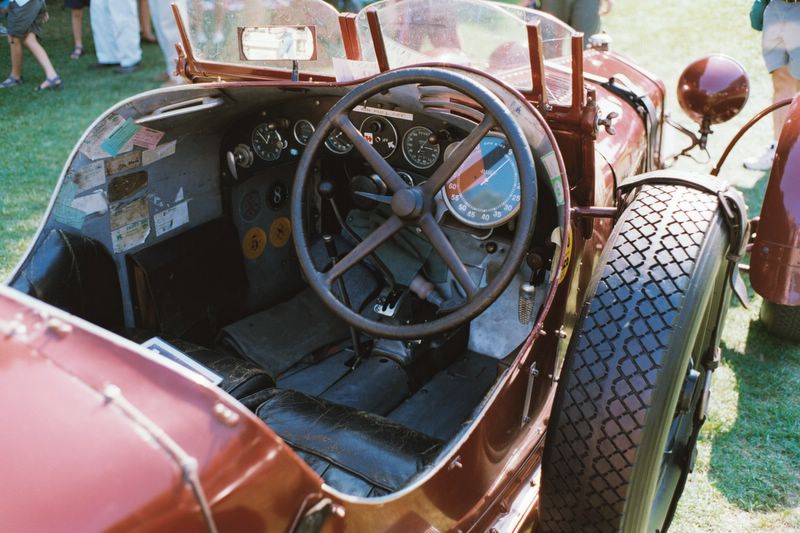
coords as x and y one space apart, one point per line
76 53
148 39
764 161
96 66
50 84
3 30
11 81
127 70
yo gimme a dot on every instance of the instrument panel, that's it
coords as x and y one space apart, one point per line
483 193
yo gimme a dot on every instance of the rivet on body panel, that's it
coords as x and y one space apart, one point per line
58 327
225 414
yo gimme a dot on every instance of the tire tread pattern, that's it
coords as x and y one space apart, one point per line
617 352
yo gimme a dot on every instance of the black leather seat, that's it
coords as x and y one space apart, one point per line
356 452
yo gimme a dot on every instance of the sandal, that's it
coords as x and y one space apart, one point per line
76 53
50 84
11 81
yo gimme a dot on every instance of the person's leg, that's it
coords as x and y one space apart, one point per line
104 38
784 85
77 27
125 24
38 51
144 22
585 17
15 44
167 33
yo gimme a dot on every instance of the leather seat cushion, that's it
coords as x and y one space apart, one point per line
383 453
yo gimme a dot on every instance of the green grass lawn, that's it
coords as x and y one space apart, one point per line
748 472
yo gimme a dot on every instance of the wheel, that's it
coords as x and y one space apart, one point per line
414 206
781 320
633 389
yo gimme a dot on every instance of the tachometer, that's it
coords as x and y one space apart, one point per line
485 191
267 142
303 130
338 143
418 150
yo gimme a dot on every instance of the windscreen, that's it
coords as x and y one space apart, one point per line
485 35
213 29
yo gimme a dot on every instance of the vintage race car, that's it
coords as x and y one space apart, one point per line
421 268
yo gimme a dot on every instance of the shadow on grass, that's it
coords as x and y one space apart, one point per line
755 464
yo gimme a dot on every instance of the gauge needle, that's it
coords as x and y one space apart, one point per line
262 137
376 197
498 169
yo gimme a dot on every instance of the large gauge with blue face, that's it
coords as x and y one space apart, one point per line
485 192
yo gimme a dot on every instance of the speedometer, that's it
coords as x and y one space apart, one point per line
485 191
417 148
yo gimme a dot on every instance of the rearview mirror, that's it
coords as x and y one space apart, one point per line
274 43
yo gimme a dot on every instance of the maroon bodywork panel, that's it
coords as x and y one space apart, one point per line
775 262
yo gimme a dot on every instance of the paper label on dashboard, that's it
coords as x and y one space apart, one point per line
63 211
123 163
91 204
91 147
121 140
147 138
347 70
171 218
158 153
130 224
90 176
383 112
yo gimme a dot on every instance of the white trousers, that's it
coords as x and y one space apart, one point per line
167 31
115 27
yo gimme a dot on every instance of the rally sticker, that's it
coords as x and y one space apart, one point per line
254 243
130 224
91 147
123 163
119 141
160 152
383 112
171 218
280 232
122 187
90 176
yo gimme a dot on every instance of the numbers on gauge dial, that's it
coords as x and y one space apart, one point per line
338 143
418 150
267 142
485 192
303 130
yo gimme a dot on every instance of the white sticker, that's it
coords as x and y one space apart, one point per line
91 203
348 70
383 112
551 164
179 196
130 224
91 146
172 218
90 176
160 152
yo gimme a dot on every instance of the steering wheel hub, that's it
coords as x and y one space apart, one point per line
408 203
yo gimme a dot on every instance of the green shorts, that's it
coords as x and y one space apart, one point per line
25 19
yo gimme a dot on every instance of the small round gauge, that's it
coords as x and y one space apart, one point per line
338 143
485 191
303 130
417 150
406 177
381 134
267 142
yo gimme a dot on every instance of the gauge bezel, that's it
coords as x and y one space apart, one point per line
409 159
281 141
387 122
334 151
471 223
294 130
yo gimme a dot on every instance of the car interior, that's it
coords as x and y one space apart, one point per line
196 248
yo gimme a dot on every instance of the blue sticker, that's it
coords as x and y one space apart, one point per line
117 141
63 211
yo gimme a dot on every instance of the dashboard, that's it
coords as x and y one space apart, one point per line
483 193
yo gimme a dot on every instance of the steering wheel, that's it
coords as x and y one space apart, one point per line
414 206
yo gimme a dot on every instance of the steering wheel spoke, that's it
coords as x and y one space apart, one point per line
383 233
449 167
376 161
445 249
